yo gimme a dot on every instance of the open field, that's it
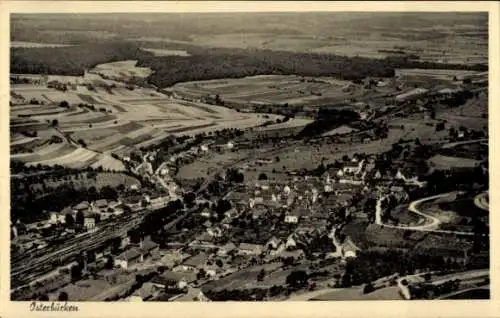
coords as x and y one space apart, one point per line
441 162
203 166
122 70
310 156
35 44
356 293
452 37
268 90
438 74
165 52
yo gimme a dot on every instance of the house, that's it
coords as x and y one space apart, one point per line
349 249
147 291
133 201
291 242
231 213
351 168
89 222
82 206
258 212
226 249
193 264
169 279
250 249
125 242
291 218
136 254
275 246
101 204
212 271
296 255
128 258
215 232
56 217
273 243
204 148
206 212
148 247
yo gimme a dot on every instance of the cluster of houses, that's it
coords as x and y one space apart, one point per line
358 171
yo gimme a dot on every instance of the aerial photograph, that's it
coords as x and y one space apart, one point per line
252 156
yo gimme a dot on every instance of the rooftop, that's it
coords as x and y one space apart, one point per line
169 277
250 246
129 255
101 203
197 260
82 205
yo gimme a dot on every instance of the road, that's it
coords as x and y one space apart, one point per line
413 207
462 276
481 201
465 142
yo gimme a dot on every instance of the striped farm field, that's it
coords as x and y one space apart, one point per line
70 159
266 89
45 154
22 140
80 112
30 144
128 127
88 99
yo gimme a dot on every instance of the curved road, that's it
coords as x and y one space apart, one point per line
413 207
481 201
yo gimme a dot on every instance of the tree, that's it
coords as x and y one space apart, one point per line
433 114
427 277
189 199
201 274
43 297
55 122
261 275
76 273
262 176
80 218
64 104
297 279
368 288
109 263
63 296
219 263
69 220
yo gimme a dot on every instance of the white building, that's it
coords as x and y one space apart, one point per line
292 219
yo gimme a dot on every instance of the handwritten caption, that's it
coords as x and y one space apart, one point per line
52 306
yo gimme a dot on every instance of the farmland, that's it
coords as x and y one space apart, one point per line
268 90
106 116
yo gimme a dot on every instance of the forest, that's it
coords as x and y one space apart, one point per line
71 60
211 63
